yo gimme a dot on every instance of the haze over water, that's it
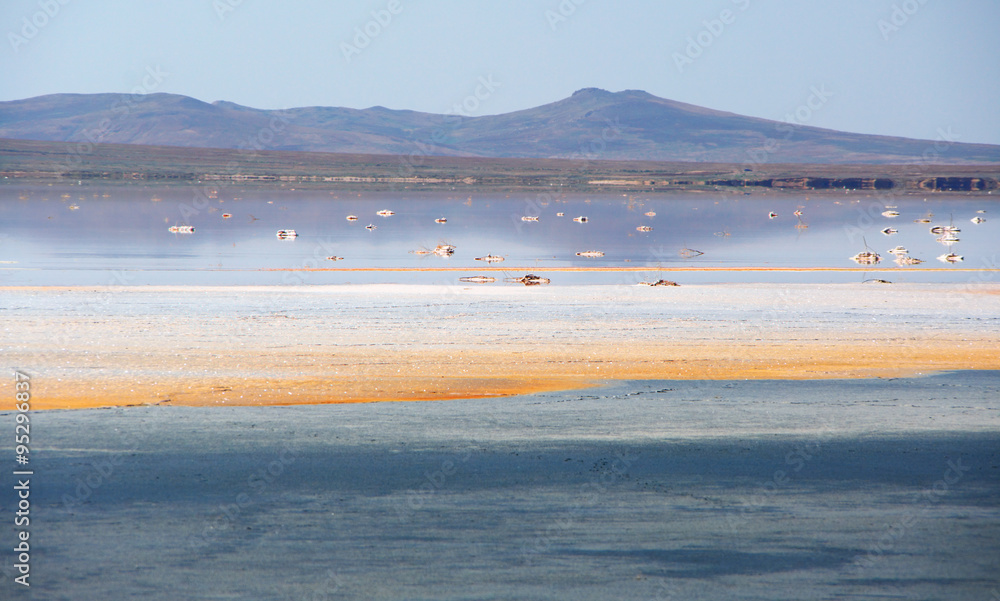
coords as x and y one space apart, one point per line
94 235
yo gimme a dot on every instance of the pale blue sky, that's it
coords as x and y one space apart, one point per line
937 69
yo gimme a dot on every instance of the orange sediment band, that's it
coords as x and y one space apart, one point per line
309 377
265 345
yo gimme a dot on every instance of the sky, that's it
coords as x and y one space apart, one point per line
916 68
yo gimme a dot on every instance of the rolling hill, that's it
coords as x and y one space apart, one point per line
591 124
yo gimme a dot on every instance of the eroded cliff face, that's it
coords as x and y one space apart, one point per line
958 184
813 183
930 184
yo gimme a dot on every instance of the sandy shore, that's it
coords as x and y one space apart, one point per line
675 479
90 347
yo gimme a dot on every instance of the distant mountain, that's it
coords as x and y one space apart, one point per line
590 124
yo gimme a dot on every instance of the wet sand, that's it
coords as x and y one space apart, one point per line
94 347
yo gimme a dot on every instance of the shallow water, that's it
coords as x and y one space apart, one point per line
640 490
87 235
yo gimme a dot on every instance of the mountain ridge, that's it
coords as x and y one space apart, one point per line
589 124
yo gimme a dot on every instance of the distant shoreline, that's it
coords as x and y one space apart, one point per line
38 162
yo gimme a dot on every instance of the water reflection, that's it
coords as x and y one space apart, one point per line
84 235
